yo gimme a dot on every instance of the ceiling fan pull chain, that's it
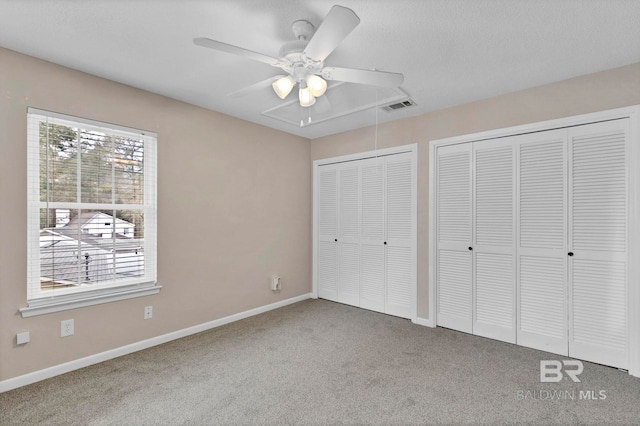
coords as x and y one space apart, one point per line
375 132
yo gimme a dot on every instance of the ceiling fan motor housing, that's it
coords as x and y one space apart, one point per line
303 30
292 51
295 62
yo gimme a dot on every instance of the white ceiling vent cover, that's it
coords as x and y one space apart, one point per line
340 99
399 105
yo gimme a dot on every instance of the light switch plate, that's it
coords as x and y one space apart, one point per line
22 338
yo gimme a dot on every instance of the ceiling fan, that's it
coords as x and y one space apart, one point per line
303 58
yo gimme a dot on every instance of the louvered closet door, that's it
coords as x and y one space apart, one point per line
494 314
327 232
372 248
454 237
348 233
542 236
400 239
598 240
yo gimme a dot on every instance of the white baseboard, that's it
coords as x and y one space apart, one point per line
36 376
423 321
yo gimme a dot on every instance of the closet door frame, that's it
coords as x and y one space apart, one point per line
413 150
633 268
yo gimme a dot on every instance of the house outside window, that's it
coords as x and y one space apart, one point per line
91 212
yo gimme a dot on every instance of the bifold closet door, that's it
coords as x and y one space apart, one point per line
542 240
494 259
454 237
598 209
366 223
348 240
372 232
327 232
532 240
399 241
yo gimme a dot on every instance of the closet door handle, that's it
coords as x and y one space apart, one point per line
570 253
470 248
336 240
385 243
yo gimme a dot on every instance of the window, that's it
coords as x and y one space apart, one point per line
85 178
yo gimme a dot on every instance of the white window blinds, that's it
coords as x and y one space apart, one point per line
92 206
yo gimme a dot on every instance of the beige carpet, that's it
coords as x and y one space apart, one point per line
318 362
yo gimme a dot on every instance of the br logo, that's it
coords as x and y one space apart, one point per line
551 370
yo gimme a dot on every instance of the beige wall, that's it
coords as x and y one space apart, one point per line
233 198
233 208
595 92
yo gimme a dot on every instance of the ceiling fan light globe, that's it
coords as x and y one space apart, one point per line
317 85
283 86
306 98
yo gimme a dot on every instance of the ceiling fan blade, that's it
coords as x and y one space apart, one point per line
224 47
373 78
337 25
256 86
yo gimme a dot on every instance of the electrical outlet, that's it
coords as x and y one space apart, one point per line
66 328
148 312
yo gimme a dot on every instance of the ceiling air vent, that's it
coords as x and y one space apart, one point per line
400 105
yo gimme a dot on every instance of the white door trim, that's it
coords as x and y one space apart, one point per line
633 113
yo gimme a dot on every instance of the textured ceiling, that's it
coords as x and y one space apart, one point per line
450 51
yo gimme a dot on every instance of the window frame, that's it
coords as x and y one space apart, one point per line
42 302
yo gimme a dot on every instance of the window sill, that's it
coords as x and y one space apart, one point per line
41 307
